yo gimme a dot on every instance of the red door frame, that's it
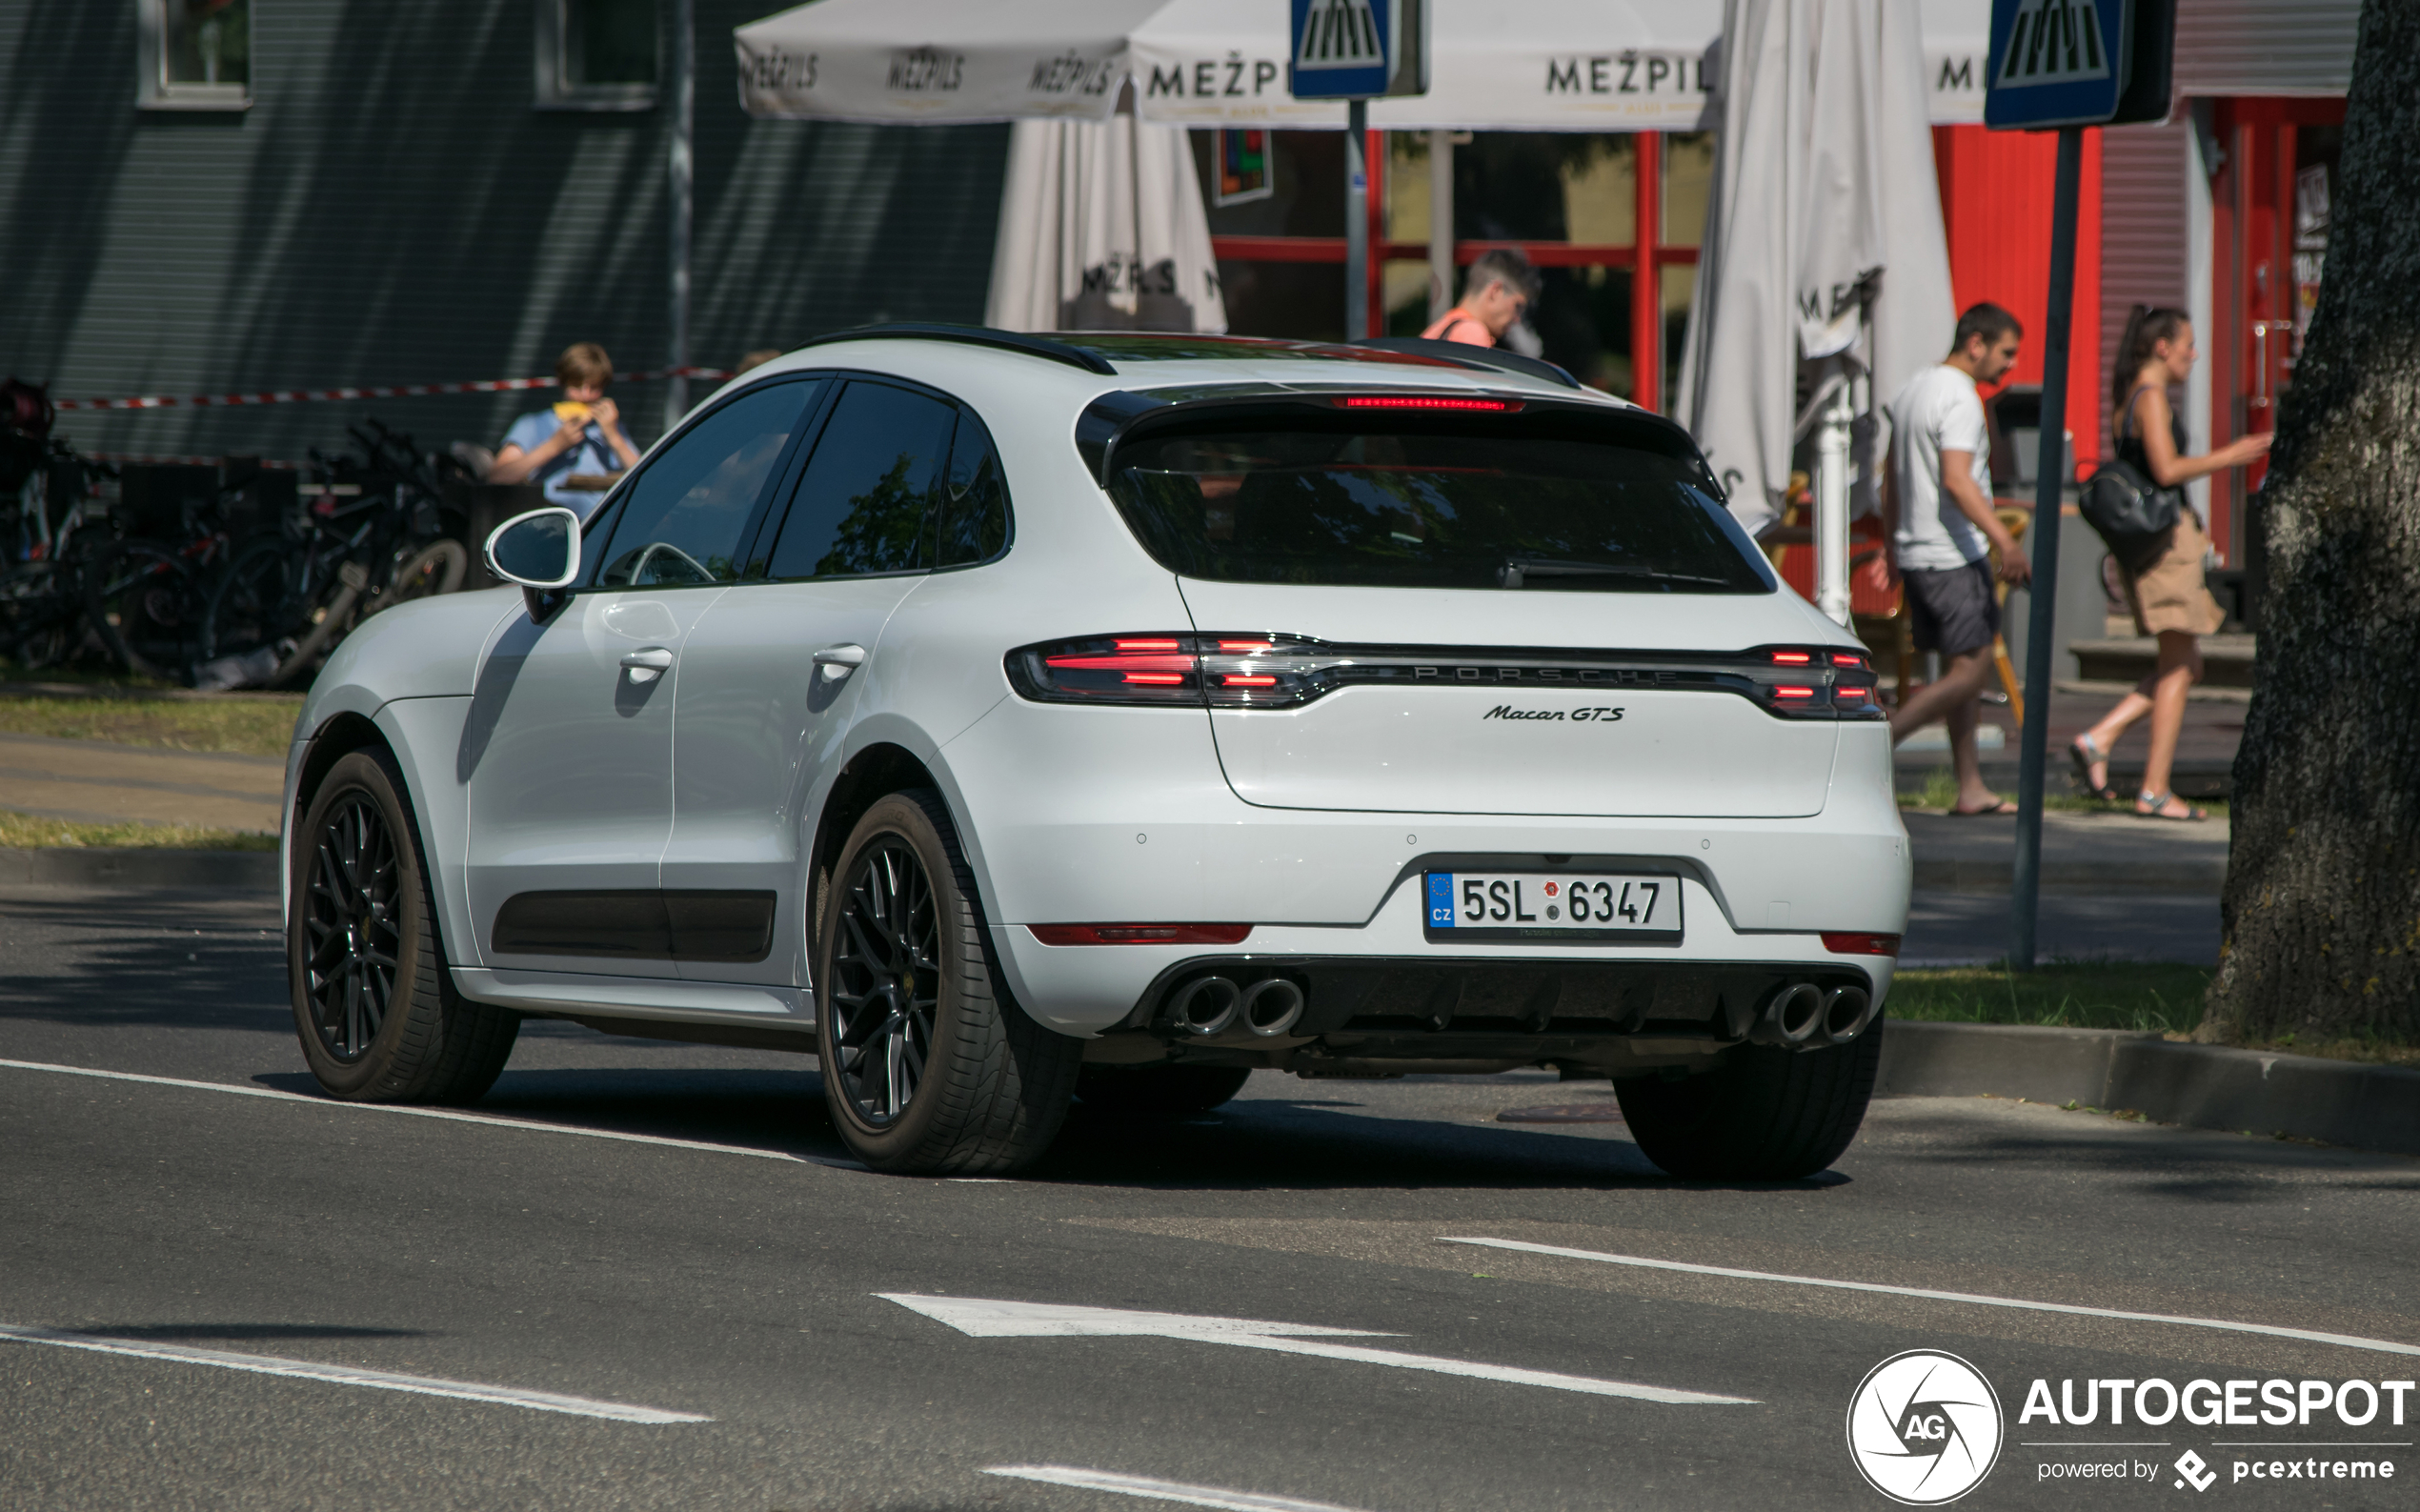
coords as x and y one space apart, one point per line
2252 285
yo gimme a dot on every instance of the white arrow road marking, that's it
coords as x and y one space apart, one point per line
1209 1495
982 1319
2349 1340
350 1376
446 1113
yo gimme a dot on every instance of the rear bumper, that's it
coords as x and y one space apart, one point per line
1385 978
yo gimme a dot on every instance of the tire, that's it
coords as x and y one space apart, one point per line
1158 1093
436 568
147 606
41 615
928 1066
375 1005
1764 1115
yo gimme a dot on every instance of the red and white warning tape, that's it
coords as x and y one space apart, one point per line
395 391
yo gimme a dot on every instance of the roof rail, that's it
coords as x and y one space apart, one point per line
1475 356
974 336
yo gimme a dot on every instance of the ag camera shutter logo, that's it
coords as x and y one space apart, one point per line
1923 1427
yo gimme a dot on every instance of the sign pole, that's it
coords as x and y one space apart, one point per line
1357 220
2042 599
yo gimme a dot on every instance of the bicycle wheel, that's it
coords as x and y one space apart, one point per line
258 602
147 606
41 615
436 568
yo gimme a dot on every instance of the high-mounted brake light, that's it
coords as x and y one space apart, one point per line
1794 658
1155 679
1240 680
1856 942
1848 658
1244 648
1149 645
1788 691
1141 934
1423 401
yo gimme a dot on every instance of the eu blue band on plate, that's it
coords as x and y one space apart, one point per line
1440 901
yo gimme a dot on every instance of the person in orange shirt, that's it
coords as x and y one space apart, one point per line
1498 288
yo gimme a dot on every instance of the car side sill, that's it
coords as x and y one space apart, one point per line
566 995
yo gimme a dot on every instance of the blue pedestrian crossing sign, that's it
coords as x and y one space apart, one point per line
1359 49
2058 62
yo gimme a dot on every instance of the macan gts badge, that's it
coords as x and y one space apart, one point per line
1011 722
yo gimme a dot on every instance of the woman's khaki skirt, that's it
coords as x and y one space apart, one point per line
2170 593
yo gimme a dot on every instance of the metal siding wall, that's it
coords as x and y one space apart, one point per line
392 209
2265 47
2143 234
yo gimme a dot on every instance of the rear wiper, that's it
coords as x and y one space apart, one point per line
1518 570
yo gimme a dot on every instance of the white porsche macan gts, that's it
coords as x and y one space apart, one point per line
1008 720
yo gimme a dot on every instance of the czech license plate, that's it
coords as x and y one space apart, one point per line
1641 908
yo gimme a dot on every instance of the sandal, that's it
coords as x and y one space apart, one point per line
2085 756
1998 806
2149 805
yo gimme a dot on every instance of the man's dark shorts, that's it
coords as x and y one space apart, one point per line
1953 610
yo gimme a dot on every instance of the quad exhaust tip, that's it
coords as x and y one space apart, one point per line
1801 1015
1211 1005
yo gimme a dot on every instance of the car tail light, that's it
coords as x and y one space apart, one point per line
1425 401
1853 942
1141 934
1812 682
1232 670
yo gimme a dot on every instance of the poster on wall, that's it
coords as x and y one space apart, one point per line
1245 172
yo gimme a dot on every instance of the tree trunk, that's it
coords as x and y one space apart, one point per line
2321 914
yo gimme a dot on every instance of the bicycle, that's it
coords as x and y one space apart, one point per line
282 604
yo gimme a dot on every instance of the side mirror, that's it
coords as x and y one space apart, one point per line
541 552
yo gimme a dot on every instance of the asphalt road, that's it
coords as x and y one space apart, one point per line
728 1264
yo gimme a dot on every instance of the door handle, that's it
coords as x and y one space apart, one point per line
646 666
839 661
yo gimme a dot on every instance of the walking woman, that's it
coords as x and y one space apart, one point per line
2169 597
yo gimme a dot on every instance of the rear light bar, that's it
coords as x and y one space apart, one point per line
1264 670
1141 934
1425 401
1854 943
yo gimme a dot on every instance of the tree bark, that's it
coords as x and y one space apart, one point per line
2321 914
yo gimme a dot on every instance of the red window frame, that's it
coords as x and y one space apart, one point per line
1646 296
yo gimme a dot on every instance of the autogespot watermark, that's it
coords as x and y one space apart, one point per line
1925 1428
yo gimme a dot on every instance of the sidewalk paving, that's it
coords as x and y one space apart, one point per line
2205 752
99 782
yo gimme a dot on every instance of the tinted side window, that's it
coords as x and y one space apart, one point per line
974 524
865 503
687 515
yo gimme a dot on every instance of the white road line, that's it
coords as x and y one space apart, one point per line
449 1114
350 1376
985 1317
1209 1495
2348 1340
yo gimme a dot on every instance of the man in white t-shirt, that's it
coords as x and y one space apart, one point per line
1937 514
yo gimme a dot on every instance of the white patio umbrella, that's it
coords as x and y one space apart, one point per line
1544 66
1824 189
1101 228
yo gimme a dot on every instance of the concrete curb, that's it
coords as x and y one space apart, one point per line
2205 1086
140 867
1951 873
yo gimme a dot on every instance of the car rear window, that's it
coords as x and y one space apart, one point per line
1534 503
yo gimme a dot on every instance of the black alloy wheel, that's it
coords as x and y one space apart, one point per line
354 932
374 1003
886 981
929 1066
